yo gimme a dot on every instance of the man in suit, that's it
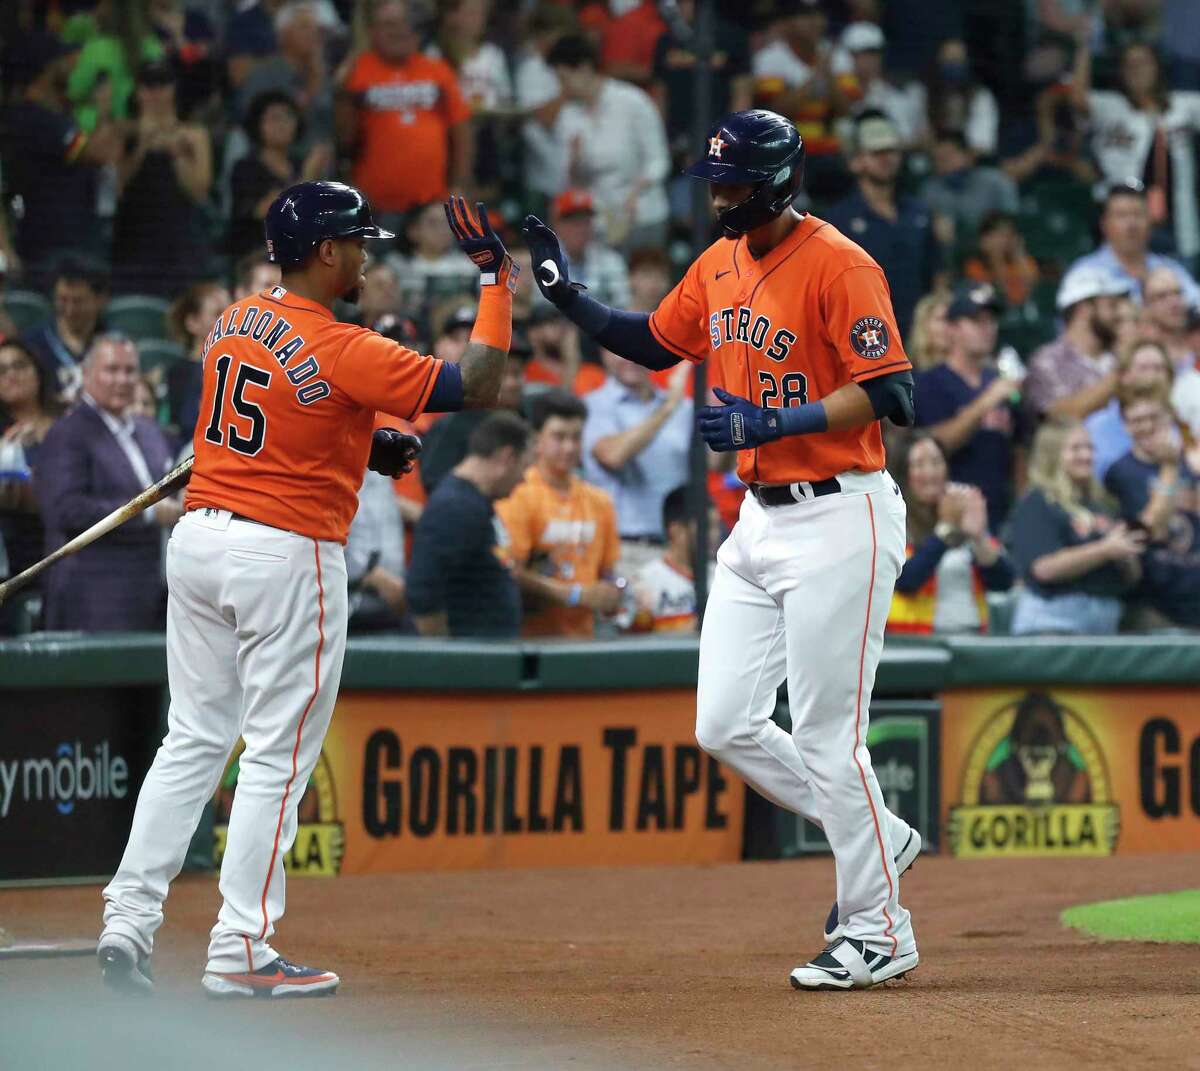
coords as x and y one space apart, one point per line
94 459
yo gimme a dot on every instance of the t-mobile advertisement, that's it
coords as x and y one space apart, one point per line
71 764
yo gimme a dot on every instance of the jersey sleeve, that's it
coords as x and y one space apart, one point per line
378 373
861 324
678 322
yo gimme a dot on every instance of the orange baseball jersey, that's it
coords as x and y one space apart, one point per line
793 327
570 537
407 110
288 408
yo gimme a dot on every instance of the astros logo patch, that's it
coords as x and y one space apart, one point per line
869 337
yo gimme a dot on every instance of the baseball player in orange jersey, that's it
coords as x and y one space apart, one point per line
256 621
796 324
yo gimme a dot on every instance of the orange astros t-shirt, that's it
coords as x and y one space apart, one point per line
793 327
406 112
569 536
288 408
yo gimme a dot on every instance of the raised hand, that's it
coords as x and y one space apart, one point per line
475 237
549 262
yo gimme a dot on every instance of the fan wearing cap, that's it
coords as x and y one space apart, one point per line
897 230
591 262
967 405
903 104
164 178
1076 373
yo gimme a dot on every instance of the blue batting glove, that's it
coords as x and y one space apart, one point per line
738 424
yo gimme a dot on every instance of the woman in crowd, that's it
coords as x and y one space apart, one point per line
952 557
957 101
190 319
1138 361
1076 558
28 406
1146 130
159 240
274 125
927 344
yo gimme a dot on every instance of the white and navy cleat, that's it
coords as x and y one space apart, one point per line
849 964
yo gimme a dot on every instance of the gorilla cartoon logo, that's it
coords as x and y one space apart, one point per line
1036 763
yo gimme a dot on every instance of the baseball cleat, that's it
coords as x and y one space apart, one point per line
279 978
904 860
123 967
849 964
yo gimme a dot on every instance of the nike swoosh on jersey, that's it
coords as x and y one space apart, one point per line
725 272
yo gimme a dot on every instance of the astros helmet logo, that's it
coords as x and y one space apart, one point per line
715 145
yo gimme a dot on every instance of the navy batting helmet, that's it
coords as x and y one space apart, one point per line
306 214
754 148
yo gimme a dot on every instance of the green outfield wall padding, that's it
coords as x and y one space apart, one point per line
1096 660
911 667
74 660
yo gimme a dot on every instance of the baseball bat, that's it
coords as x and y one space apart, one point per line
168 485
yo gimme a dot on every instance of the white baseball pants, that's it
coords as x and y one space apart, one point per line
256 634
802 592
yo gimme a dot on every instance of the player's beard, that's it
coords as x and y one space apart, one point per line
351 296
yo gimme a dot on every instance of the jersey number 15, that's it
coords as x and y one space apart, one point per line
247 375
791 390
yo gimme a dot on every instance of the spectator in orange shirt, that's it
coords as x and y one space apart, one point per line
627 43
562 531
402 119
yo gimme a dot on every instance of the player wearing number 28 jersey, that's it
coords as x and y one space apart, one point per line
795 325
256 615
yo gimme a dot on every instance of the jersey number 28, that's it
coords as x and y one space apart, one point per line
793 387
247 375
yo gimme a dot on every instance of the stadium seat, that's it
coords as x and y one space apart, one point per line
1056 221
158 354
26 308
138 316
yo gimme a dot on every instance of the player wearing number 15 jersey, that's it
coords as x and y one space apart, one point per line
256 615
795 325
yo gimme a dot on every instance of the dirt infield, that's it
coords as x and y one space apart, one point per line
635 968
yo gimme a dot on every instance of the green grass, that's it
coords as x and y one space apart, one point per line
1164 917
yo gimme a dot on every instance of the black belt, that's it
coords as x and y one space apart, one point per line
243 517
784 495
644 540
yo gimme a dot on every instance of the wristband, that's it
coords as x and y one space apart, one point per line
493 321
802 419
575 595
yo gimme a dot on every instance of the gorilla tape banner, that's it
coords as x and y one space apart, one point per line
1073 771
444 781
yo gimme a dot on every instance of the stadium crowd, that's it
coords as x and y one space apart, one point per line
1026 174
